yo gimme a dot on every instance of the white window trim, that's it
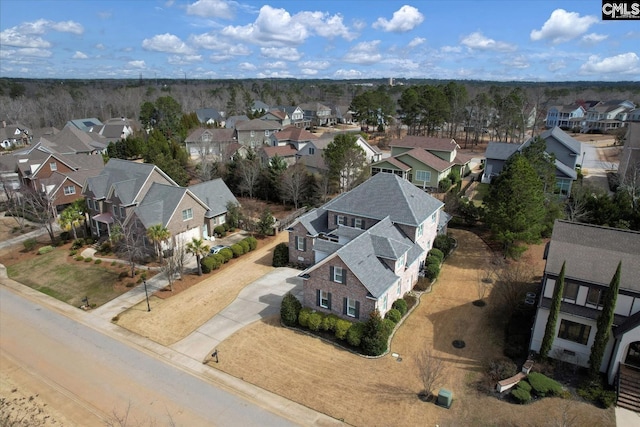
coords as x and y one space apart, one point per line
300 243
53 166
187 214
71 188
342 220
357 223
336 275
324 296
423 174
351 307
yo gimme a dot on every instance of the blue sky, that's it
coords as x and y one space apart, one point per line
537 40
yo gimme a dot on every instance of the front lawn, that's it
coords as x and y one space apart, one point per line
481 191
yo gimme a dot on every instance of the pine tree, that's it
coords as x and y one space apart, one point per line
550 329
605 321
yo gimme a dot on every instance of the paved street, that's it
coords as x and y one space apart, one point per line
102 375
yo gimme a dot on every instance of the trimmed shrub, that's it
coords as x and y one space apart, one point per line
422 284
410 299
436 253
220 231
375 335
280 255
543 385
432 260
354 334
329 323
253 242
123 274
432 271
30 244
520 394
289 309
65 236
607 398
73 252
315 320
88 259
401 306
387 327
220 259
245 246
593 391
226 253
210 263
45 250
394 315
98 261
105 248
342 327
303 317
238 251
444 243
79 258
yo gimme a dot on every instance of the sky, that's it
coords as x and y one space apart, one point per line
517 40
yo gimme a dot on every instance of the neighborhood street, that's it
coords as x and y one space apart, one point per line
99 376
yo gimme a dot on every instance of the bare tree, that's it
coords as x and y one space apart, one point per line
42 208
431 371
129 239
293 183
174 265
511 280
13 198
249 170
630 183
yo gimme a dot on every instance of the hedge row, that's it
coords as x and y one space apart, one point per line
215 261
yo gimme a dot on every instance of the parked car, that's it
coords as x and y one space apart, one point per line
217 248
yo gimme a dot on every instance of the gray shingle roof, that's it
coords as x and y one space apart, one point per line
561 136
159 204
314 221
215 194
386 194
500 150
592 253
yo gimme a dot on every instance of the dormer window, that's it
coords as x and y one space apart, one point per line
53 166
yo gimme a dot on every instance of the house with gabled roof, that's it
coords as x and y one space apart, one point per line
86 124
277 116
365 248
71 140
116 129
565 116
296 115
423 161
216 196
591 255
210 116
562 146
14 135
212 143
255 133
607 116
317 114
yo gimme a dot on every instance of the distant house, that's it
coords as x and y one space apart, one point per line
255 133
565 117
629 168
210 143
423 161
210 116
566 150
71 140
277 116
85 125
591 255
231 121
317 114
296 115
14 135
365 248
116 129
607 116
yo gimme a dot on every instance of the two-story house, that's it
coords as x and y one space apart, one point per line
317 114
255 133
591 255
607 116
365 248
208 143
565 116
295 114
14 135
423 161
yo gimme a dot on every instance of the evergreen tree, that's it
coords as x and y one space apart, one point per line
605 321
550 329
515 205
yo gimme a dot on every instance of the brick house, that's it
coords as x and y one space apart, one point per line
365 248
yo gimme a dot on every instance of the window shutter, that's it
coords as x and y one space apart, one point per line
304 244
331 274
344 306
336 219
357 309
329 300
344 276
363 226
353 222
318 297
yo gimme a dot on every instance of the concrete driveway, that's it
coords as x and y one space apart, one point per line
258 300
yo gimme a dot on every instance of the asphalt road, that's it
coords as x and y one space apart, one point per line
104 376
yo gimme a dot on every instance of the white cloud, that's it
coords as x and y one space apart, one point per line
100 46
417 42
39 53
183 59
277 27
11 37
451 49
557 65
168 43
280 65
211 9
247 66
137 64
347 74
519 61
404 19
308 71
79 55
286 53
594 38
478 41
316 65
626 63
364 53
563 26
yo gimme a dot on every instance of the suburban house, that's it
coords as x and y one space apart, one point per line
141 194
278 116
60 176
607 116
567 152
14 135
255 133
317 114
423 161
71 140
295 114
214 143
116 129
591 255
85 125
565 117
629 168
210 116
231 121
365 248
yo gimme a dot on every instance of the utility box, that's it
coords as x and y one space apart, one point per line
445 397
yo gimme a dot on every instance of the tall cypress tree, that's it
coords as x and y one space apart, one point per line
550 329
605 321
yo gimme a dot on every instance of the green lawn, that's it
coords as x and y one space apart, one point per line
62 277
481 192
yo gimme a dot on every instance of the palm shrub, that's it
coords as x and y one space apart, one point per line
393 315
401 306
289 309
280 255
315 320
342 327
303 317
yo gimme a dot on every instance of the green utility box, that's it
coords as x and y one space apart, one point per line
445 397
